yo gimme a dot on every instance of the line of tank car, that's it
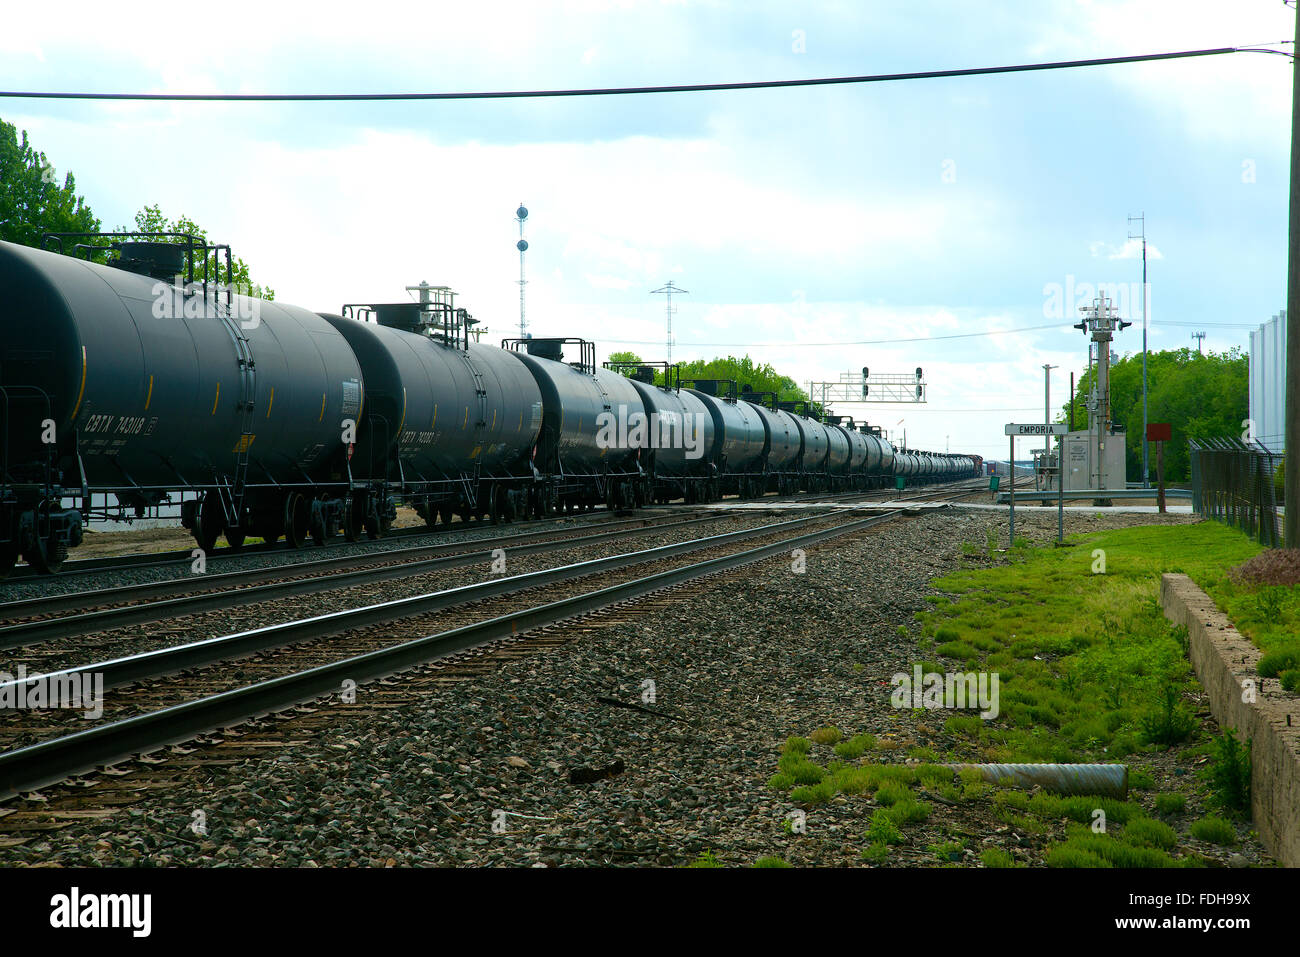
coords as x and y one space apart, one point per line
269 420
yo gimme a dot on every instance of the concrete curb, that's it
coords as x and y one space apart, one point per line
1225 660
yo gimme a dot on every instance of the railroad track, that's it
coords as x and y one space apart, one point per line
32 621
381 640
35 620
375 642
183 557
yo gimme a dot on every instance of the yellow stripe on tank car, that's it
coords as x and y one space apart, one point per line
270 403
82 393
215 398
322 408
466 422
434 424
403 422
494 419
149 398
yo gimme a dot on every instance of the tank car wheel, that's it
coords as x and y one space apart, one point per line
446 513
374 528
210 522
297 514
494 504
235 538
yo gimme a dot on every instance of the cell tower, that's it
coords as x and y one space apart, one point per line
520 215
668 291
1199 337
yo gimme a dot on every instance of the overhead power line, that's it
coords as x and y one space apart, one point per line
629 90
843 342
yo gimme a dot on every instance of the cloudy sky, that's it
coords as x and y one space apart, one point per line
803 221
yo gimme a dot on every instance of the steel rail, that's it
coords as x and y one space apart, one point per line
46 762
89 566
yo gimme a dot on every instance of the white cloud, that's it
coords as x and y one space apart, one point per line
1129 249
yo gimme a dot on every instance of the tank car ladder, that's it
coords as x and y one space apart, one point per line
231 492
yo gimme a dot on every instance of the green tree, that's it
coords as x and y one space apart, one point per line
151 220
1201 396
760 377
32 201
625 356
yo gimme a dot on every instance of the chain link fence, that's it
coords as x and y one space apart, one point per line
1239 484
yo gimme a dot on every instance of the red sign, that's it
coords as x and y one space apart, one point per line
1159 432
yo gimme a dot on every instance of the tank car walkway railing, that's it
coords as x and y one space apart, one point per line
1239 484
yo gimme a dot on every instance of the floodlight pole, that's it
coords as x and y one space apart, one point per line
1291 522
1142 234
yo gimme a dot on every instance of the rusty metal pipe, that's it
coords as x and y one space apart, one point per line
1106 780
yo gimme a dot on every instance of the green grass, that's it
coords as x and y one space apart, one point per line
1170 804
1082 848
1141 780
1229 773
876 853
706 859
996 857
1215 830
1089 670
1145 832
883 830
770 862
828 735
856 746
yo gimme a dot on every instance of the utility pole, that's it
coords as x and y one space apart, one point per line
520 215
1291 523
668 291
1047 393
1199 337
1142 235
1047 410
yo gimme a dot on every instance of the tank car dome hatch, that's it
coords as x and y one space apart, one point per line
407 316
552 349
155 260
